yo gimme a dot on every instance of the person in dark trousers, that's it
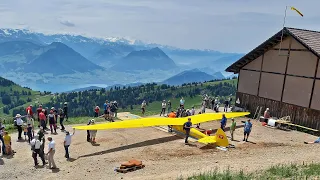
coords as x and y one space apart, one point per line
187 126
46 114
223 122
42 138
29 133
116 110
1 139
39 110
88 132
65 110
67 143
169 104
19 123
226 106
36 150
96 111
61 114
52 122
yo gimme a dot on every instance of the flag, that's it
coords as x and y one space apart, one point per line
292 8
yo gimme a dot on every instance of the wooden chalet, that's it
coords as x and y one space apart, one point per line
284 77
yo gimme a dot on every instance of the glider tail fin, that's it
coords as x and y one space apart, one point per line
221 138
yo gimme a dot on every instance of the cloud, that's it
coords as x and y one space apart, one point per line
230 25
67 23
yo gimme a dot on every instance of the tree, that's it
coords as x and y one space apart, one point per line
6 99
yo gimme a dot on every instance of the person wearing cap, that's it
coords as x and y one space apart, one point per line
232 128
65 110
266 115
163 105
96 111
247 130
93 133
19 123
36 145
51 152
67 143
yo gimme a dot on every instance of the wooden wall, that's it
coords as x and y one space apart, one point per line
299 115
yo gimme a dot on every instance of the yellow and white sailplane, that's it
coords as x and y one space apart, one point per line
219 139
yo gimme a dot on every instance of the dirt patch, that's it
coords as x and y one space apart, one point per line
165 155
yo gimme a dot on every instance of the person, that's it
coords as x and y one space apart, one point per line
182 101
3 148
106 110
65 110
193 111
25 130
29 132
61 116
163 105
88 132
226 105
247 130
93 133
266 115
187 127
198 125
42 138
223 122
19 123
232 128
112 111
212 103
36 150
314 142
39 110
7 143
29 112
169 106
171 115
203 107
96 111
51 152
52 122
143 107
46 114
67 143
43 119
188 112
116 109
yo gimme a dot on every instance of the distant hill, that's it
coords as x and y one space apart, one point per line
189 76
60 59
150 59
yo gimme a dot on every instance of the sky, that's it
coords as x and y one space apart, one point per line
222 25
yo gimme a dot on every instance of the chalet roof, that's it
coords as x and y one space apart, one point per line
309 39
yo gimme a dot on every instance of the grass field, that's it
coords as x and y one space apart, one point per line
155 107
291 171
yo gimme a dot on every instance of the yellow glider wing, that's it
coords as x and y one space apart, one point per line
153 121
201 118
135 123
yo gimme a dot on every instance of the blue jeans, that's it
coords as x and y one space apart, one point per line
3 146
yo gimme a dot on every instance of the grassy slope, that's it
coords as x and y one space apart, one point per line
292 171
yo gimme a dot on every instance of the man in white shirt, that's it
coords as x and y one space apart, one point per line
67 143
182 101
19 123
164 106
36 150
51 151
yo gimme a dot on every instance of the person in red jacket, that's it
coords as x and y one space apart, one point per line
39 110
43 119
29 111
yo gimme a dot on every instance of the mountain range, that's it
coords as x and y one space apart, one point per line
37 58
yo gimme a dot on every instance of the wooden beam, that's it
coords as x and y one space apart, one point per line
260 75
314 82
285 74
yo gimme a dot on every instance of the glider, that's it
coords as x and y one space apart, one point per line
220 138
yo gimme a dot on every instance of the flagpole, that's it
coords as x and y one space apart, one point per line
284 22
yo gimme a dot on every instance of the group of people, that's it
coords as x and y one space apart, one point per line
110 110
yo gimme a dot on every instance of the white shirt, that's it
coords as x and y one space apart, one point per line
52 145
19 121
36 143
164 105
68 139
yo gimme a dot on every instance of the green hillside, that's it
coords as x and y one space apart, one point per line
14 97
